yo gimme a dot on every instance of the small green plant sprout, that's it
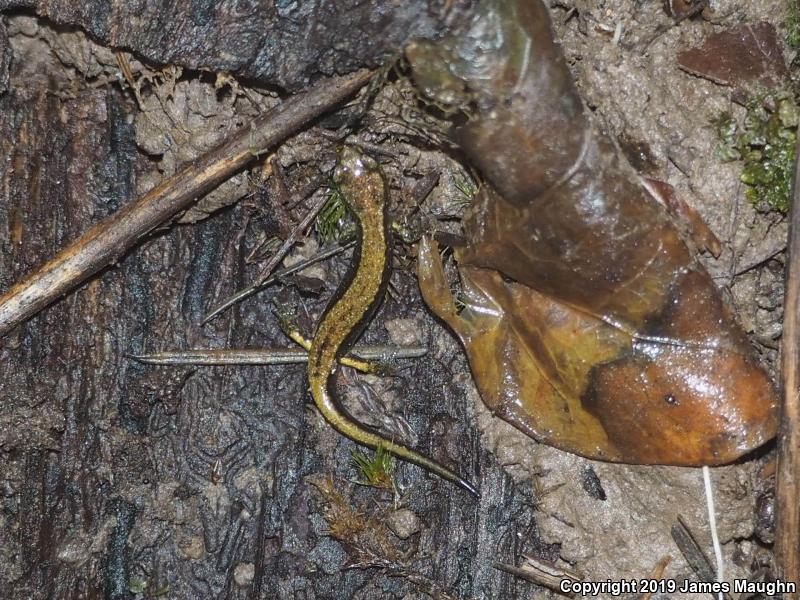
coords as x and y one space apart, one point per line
467 189
139 587
377 470
162 591
765 143
334 222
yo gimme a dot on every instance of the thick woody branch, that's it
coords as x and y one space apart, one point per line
104 243
787 531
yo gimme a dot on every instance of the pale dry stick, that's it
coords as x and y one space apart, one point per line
787 531
108 240
281 356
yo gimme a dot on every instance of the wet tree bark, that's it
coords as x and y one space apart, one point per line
120 479
283 44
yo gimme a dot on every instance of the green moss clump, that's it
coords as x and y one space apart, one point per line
793 24
765 143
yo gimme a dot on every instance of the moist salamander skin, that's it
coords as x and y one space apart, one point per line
361 182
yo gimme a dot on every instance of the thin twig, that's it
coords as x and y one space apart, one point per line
691 551
278 276
760 260
277 356
260 283
104 243
787 531
541 572
644 45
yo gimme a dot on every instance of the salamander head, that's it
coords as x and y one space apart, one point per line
353 165
359 178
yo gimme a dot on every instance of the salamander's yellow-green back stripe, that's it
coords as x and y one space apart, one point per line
362 185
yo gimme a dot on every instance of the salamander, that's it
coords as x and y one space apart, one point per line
361 182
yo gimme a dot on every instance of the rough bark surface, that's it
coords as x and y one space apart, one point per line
119 480
282 43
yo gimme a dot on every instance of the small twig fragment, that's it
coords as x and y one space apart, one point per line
127 73
692 552
263 278
657 573
541 572
257 287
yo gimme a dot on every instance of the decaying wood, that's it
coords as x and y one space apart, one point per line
787 533
104 243
286 44
119 475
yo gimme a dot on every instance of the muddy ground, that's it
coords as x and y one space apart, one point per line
121 480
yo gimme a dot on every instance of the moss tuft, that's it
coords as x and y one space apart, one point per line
369 540
335 222
765 143
377 470
793 24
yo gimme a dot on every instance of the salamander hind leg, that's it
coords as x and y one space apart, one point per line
361 183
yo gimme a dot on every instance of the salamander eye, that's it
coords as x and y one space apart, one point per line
368 163
344 172
356 168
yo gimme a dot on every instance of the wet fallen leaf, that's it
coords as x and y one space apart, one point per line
588 323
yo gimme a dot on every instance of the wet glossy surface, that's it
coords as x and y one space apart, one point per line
612 341
361 183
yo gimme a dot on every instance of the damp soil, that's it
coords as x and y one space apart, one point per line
121 480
